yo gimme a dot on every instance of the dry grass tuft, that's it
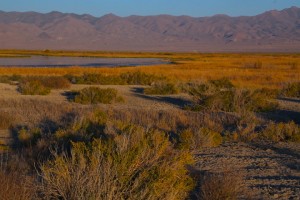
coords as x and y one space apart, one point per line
225 185
14 186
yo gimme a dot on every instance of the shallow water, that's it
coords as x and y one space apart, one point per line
52 61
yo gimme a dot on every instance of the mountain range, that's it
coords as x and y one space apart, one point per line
272 31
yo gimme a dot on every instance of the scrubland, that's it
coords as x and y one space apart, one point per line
155 132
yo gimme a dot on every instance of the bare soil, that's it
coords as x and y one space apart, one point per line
270 171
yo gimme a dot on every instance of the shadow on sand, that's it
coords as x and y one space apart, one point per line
174 100
281 115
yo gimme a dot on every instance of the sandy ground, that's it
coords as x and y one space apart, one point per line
270 171
133 96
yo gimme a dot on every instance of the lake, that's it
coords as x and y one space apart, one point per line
55 61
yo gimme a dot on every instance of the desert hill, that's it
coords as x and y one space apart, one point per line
277 31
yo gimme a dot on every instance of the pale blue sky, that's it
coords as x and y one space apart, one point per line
149 7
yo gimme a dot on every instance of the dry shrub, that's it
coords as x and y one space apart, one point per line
94 95
37 85
10 79
220 95
257 131
140 78
173 120
33 87
131 164
224 185
203 137
281 132
130 78
246 129
96 79
291 90
256 101
55 82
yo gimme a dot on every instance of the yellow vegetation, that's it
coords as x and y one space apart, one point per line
244 70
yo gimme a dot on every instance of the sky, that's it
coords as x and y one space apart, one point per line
196 8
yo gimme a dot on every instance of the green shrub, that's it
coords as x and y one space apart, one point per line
33 87
281 132
291 90
94 95
161 88
132 164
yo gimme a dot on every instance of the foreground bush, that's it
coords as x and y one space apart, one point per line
94 95
131 164
33 87
161 88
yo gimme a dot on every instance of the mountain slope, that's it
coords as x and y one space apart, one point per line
269 31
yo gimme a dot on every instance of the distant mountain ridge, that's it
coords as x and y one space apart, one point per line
277 31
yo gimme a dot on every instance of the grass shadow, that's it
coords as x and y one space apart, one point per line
294 100
170 99
70 95
281 115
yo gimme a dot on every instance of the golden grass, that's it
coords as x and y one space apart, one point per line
244 70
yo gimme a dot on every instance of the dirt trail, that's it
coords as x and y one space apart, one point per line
269 171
